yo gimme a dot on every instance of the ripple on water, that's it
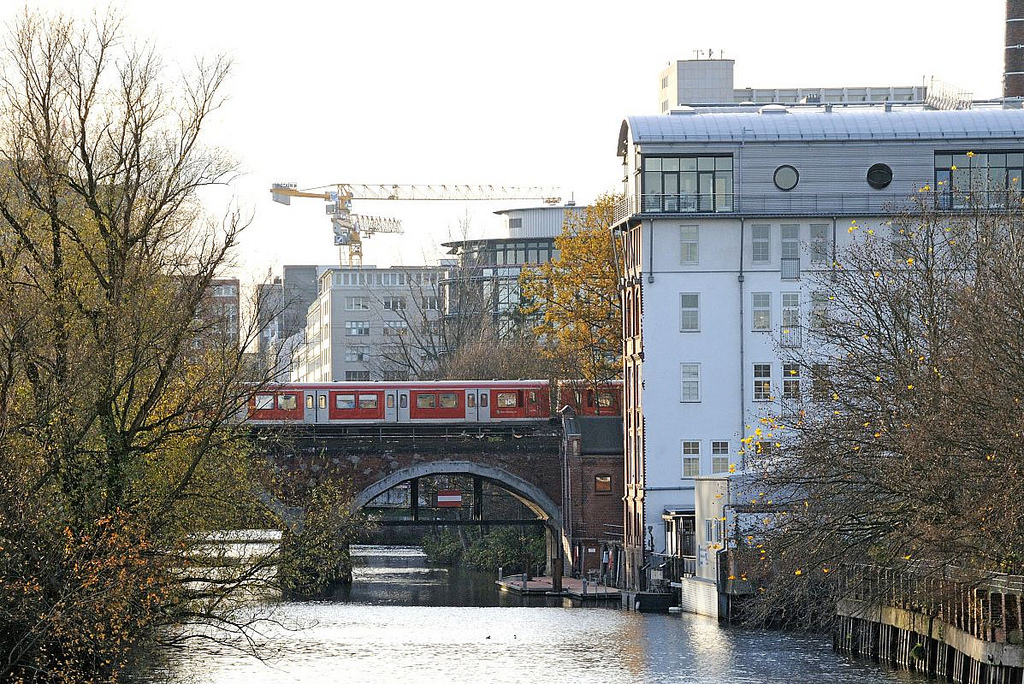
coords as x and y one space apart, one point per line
386 628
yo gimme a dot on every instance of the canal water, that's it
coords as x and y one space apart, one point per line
403 621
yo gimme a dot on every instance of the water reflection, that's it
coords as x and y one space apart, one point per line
403 621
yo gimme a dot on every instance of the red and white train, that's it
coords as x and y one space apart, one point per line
441 401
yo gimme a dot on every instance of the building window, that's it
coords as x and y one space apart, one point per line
760 247
689 312
761 310
664 81
985 178
357 328
790 336
819 310
515 223
879 176
720 457
357 304
820 382
786 177
603 484
689 252
791 381
689 382
396 375
357 376
394 303
431 303
691 458
790 252
762 382
819 243
687 184
357 353
395 327
387 279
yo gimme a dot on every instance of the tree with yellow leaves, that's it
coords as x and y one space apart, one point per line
578 295
907 451
120 447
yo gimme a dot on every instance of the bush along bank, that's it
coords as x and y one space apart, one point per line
505 547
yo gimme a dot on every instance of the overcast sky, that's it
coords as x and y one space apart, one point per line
518 93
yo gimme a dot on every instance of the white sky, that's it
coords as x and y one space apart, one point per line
519 93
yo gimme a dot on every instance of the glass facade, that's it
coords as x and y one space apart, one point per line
687 184
980 178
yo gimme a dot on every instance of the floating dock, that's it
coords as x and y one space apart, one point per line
571 587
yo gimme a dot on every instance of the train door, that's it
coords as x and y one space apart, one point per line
316 403
391 406
483 405
403 405
309 402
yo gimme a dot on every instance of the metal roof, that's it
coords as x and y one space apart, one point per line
819 124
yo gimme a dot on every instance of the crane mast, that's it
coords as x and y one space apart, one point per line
350 228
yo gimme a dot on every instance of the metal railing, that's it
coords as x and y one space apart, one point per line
988 606
820 204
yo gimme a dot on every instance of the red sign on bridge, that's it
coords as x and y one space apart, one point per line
449 498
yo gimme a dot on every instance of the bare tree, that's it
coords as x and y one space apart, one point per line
119 392
906 452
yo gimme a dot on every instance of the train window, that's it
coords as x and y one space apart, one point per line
309 401
483 400
367 401
471 400
426 401
391 401
604 399
264 402
287 402
448 400
507 400
532 396
345 401
403 401
322 401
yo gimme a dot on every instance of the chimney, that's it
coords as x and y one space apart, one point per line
1013 64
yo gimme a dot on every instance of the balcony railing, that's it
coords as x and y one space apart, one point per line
790 336
822 204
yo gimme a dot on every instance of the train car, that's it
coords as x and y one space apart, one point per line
586 400
425 402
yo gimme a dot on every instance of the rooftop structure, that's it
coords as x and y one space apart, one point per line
710 81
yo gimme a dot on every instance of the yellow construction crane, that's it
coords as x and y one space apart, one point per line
349 229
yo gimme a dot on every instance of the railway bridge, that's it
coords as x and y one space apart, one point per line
523 460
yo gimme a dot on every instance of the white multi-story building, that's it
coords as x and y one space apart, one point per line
368 323
729 215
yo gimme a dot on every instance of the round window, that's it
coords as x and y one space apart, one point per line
879 176
786 177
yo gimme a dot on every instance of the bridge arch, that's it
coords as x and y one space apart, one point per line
530 495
